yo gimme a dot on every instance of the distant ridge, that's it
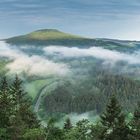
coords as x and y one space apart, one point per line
47 30
47 37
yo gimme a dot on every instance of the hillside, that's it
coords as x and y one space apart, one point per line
46 37
66 74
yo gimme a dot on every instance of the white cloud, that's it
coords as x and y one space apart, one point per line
36 65
6 51
31 65
97 52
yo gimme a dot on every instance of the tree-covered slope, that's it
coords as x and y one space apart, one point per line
19 122
76 75
46 37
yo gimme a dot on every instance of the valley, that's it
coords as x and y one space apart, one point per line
66 74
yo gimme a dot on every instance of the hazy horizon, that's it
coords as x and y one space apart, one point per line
90 18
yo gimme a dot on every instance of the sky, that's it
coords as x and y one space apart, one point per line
118 19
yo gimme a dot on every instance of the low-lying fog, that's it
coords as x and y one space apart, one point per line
44 64
31 65
40 64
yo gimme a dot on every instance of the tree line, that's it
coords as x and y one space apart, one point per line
19 122
93 94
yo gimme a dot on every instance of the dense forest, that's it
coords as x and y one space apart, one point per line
19 122
93 95
47 37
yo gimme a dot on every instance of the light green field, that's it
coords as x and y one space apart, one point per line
3 69
51 34
33 88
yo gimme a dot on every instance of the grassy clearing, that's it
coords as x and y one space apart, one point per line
34 87
50 34
3 69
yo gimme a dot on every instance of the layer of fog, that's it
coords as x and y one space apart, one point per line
110 56
39 65
75 117
91 116
31 65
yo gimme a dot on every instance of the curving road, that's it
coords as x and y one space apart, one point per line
42 92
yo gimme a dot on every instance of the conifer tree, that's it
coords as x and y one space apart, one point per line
5 109
4 103
67 124
53 132
23 104
83 129
23 117
135 124
113 121
16 115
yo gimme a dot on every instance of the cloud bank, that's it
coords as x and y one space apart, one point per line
97 52
31 65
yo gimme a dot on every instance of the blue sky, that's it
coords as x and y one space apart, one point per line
92 18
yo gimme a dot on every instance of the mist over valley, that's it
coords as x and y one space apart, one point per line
73 78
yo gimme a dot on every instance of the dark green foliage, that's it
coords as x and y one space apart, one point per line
5 109
59 101
113 121
67 124
112 126
135 124
23 104
53 132
18 122
96 131
16 115
3 134
83 129
113 111
80 132
92 94
5 104
34 134
126 90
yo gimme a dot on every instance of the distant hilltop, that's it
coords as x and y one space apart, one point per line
47 37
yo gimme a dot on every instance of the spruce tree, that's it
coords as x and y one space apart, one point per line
67 124
16 115
83 129
23 104
4 103
5 108
135 124
23 117
113 121
53 132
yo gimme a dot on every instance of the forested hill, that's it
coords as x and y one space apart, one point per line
49 37
46 37
18 121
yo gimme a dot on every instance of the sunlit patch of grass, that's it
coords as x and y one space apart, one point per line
3 69
51 34
34 87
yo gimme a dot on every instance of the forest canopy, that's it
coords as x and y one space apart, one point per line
19 122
